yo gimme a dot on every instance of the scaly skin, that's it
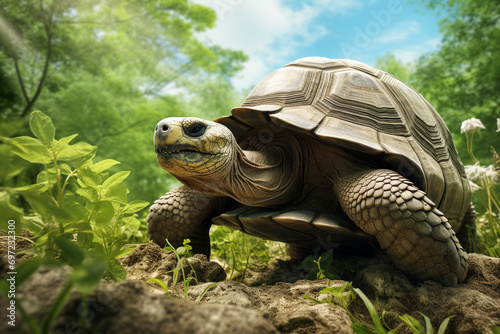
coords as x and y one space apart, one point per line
184 213
406 223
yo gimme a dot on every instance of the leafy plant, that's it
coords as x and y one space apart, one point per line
87 270
484 183
72 196
318 268
345 294
340 295
239 250
380 328
183 253
417 327
377 326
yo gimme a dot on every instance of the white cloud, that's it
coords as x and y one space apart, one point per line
337 6
399 33
433 42
413 52
408 54
268 30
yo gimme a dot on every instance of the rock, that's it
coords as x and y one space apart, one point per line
475 304
150 261
283 304
128 307
231 307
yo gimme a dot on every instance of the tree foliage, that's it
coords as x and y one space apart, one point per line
396 67
462 78
110 70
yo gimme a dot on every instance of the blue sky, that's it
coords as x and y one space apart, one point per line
275 32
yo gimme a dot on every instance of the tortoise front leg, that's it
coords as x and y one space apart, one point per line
406 223
184 213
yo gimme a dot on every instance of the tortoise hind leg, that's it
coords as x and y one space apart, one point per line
184 213
406 223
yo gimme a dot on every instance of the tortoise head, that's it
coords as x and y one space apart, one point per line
190 147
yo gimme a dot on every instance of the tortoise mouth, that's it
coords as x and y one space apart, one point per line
181 152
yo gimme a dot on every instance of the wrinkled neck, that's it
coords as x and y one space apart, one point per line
264 178
267 178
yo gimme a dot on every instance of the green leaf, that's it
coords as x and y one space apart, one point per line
428 324
132 223
42 127
104 212
76 151
135 206
104 165
160 283
202 294
63 142
413 323
308 263
87 177
84 159
371 309
9 212
125 251
115 179
44 205
34 224
444 325
115 271
85 235
30 149
312 275
360 329
10 164
89 193
494 329
75 205
70 251
117 193
40 187
314 299
88 275
326 259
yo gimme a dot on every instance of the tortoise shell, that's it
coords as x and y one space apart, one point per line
363 110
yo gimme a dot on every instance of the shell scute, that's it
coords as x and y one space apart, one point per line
351 105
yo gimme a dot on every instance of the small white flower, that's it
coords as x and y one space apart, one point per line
474 187
492 174
498 124
471 125
477 173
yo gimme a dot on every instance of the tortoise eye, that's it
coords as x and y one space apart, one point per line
196 130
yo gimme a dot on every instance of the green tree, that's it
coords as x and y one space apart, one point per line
462 78
109 70
396 67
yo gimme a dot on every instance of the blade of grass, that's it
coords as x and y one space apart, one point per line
444 325
200 297
373 312
160 283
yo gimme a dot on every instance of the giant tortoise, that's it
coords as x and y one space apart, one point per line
322 153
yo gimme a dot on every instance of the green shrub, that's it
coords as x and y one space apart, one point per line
73 198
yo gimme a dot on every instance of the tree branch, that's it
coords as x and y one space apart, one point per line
20 79
47 24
